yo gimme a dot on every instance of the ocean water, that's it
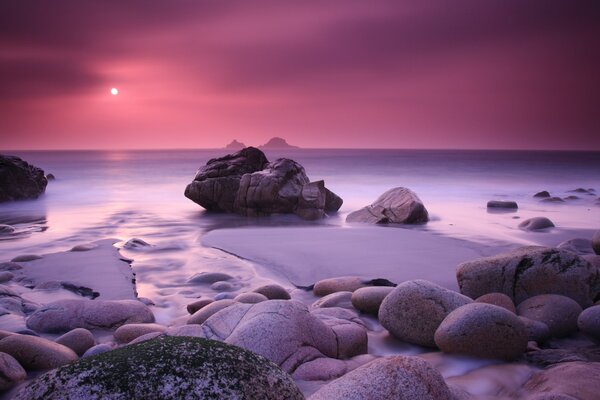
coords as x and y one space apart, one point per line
126 194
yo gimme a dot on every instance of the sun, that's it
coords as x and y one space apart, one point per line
114 91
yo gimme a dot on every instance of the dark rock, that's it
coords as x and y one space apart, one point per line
6 229
542 194
578 246
589 322
596 242
559 313
277 143
20 180
11 372
397 206
537 331
553 200
198 304
572 197
79 340
235 145
502 204
578 380
167 368
246 183
581 190
536 224
50 177
531 271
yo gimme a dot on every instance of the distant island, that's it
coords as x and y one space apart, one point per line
278 144
235 145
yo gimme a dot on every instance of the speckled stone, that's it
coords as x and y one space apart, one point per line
369 299
559 313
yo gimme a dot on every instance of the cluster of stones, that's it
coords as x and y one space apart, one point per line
546 197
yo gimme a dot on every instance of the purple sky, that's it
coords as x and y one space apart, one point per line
385 74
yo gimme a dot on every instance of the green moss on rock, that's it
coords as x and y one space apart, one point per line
167 367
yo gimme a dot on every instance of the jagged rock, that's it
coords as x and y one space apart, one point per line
167 368
20 180
531 271
396 206
246 183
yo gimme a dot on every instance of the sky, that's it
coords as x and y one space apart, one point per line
498 74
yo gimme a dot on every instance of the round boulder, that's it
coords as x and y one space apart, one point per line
537 331
338 299
79 340
11 372
589 322
340 284
559 313
167 368
205 312
498 299
126 333
536 224
37 353
198 304
400 377
482 330
273 292
250 298
414 309
369 299
209 277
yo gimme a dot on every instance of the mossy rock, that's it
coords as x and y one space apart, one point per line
165 368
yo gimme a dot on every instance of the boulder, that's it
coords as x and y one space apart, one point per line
126 333
596 242
64 315
400 377
396 206
198 304
337 299
283 331
369 299
11 372
340 284
250 298
511 205
222 286
273 292
482 330
543 194
498 299
20 180
537 331
167 368
589 322
531 271
351 338
207 311
37 353
559 313
414 310
570 380
536 224
79 340
247 183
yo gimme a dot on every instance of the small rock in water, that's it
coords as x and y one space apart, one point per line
250 298
198 304
396 206
559 313
369 299
572 198
26 257
50 177
222 286
542 194
37 353
498 299
337 299
10 266
554 199
126 333
84 247
11 372
399 377
581 190
596 242
6 276
224 296
502 204
207 311
79 340
209 277
482 330
273 292
589 322
536 224
341 284
6 229
136 243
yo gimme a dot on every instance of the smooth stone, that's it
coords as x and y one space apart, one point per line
26 257
502 204
79 340
340 284
596 242
146 301
64 315
396 206
537 331
146 336
415 309
198 304
186 330
578 380
273 292
126 333
50 177
482 330
352 340
399 377
284 331
530 271
6 276
589 322
222 286
558 312
578 246
326 369
542 194
369 299
536 224
224 296
84 247
37 353
250 298
97 349
167 368
11 372
136 243
209 277
498 299
6 229
10 266
207 311
337 299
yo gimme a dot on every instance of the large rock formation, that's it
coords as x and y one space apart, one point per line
396 206
247 183
235 145
277 143
20 180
